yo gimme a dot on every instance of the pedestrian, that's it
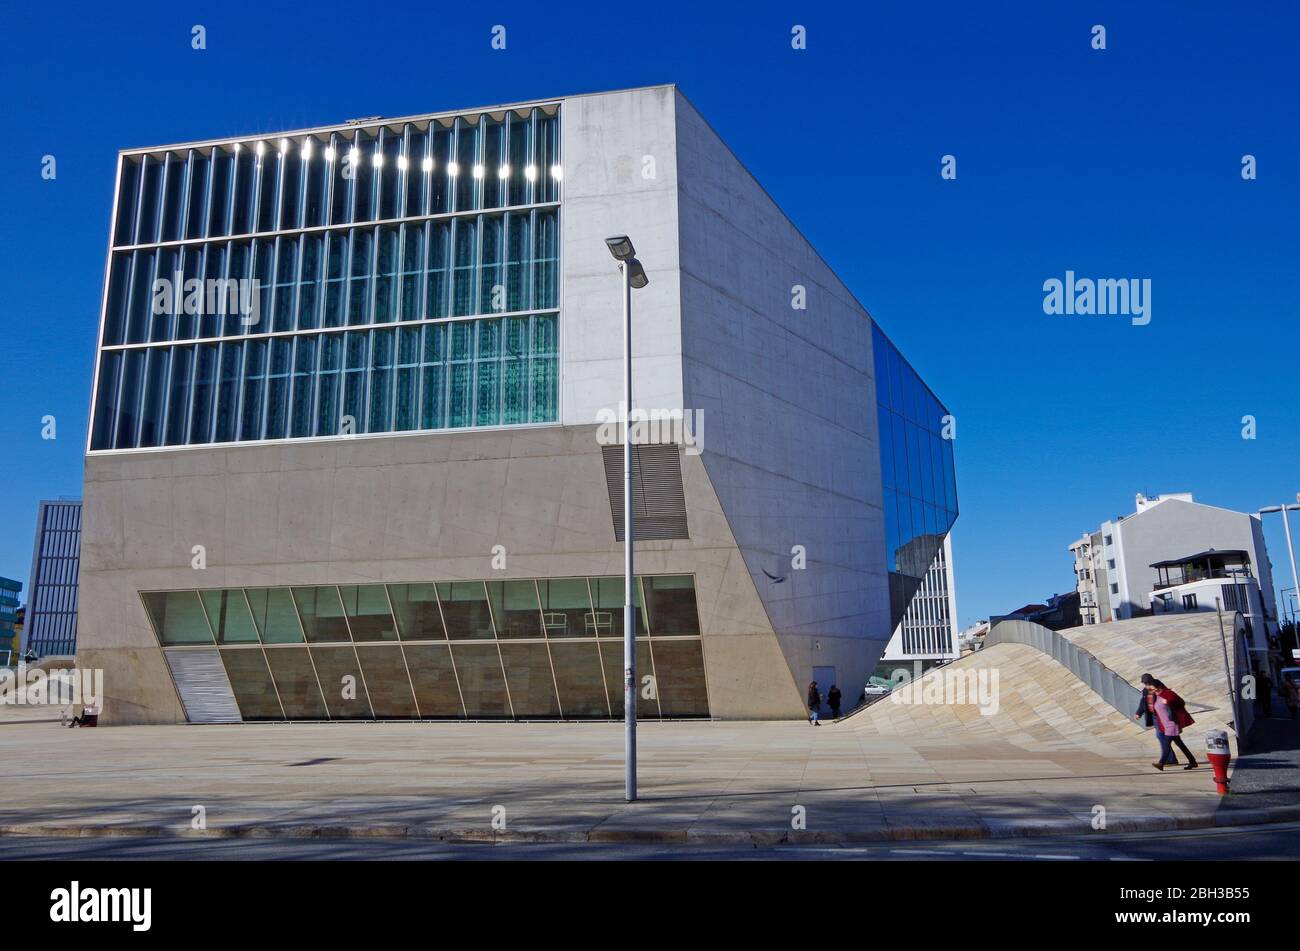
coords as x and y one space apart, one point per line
833 697
1171 719
814 704
1264 692
1146 708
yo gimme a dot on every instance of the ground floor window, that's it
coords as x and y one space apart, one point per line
521 649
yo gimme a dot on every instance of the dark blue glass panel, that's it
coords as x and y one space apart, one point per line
331 367
354 383
304 378
363 185
417 172
128 195
440 179
155 397
110 369
223 176
173 213
277 388
268 189
205 384
245 180
250 423
151 197
359 310
227 411
178 397
311 281
128 411
119 292
381 382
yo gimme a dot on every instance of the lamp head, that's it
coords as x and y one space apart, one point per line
636 274
620 245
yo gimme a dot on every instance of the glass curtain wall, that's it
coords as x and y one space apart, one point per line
520 649
917 472
372 280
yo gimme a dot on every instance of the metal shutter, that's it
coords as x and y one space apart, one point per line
203 685
658 502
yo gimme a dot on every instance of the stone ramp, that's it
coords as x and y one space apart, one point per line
1183 650
1040 707
1043 706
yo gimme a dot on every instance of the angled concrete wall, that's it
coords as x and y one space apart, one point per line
416 508
790 410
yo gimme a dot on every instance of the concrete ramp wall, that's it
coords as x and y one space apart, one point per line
1070 689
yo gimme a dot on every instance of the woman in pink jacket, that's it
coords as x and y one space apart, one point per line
1171 718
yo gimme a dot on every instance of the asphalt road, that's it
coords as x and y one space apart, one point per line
1267 842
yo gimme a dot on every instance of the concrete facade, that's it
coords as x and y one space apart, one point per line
791 455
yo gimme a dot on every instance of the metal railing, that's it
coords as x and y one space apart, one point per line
1112 688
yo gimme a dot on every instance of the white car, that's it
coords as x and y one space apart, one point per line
876 690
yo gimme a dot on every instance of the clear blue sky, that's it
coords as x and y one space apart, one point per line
1122 163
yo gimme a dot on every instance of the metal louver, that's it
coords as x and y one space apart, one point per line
203 685
658 502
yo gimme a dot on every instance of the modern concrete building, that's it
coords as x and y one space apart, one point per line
382 484
51 623
1117 567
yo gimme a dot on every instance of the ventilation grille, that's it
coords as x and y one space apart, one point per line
658 503
204 687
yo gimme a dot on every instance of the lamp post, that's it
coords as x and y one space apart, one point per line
1286 526
633 275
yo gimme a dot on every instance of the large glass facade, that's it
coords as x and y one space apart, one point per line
389 279
917 472
521 649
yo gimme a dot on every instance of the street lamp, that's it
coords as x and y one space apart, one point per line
1286 526
633 274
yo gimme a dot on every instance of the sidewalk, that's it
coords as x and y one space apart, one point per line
699 782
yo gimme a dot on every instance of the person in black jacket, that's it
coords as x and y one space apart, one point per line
833 697
1146 708
814 703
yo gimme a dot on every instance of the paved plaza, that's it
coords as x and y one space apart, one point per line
563 782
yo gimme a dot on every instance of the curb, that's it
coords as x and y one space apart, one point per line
995 829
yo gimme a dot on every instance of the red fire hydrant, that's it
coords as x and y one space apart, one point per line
1220 755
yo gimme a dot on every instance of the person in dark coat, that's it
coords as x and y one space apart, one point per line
814 703
833 697
1264 692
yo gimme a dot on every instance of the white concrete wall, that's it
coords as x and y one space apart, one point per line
610 144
